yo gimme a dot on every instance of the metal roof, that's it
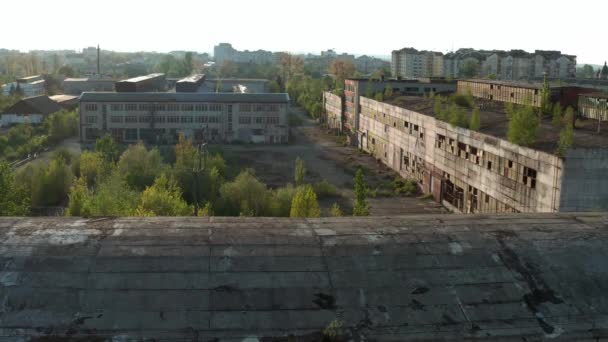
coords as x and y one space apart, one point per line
143 78
183 97
34 105
196 78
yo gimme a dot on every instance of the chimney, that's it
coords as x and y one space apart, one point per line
98 67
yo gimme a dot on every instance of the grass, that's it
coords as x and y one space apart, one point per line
405 187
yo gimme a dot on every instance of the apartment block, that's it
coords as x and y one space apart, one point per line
225 52
593 106
411 63
479 172
158 118
333 106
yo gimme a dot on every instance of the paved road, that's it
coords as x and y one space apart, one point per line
408 278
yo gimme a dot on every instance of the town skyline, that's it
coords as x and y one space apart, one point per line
473 28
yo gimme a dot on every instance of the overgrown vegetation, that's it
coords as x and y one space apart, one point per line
360 206
523 124
26 139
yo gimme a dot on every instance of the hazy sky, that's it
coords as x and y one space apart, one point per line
356 26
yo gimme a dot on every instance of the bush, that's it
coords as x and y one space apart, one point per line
63 153
406 187
463 100
335 210
304 203
325 189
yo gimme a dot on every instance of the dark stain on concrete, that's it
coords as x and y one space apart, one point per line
325 301
539 293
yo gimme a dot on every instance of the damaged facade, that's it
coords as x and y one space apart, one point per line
472 172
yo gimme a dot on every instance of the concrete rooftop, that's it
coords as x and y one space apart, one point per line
525 277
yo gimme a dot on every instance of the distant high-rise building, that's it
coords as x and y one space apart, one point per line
411 63
224 52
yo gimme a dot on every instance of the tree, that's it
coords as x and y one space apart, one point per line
469 69
342 69
588 71
300 171
379 97
61 125
163 198
566 135
107 148
569 119
66 71
304 203
457 116
140 166
475 120
50 184
14 199
228 69
523 125
91 167
388 92
360 207
290 65
111 197
335 210
245 196
545 97
280 202
188 65
557 114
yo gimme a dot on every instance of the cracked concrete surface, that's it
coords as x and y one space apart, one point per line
525 277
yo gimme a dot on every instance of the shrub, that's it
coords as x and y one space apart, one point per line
325 189
304 203
406 187
335 210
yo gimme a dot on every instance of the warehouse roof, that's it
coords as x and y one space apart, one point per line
525 277
494 122
596 95
184 97
197 78
33 105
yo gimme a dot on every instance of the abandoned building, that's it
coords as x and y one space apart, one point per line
142 84
593 106
522 93
354 88
482 172
158 118
333 106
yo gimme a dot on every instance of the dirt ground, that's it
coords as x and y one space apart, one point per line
326 158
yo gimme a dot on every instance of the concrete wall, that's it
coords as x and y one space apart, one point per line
585 180
501 92
333 110
495 174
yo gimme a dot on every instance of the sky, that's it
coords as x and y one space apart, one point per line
354 26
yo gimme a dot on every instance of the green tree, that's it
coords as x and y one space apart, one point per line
588 71
523 125
107 148
163 198
91 167
335 210
437 106
304 203
557 114
457 116
300 172
566 135
78 195
280 202
140 166
360 207
388 92
50 184
245 196
111 197
469 69
569 119
545 97
475 120
379 97
14 199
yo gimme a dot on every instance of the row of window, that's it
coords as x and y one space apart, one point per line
402 125
246 120
186 107
503 166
